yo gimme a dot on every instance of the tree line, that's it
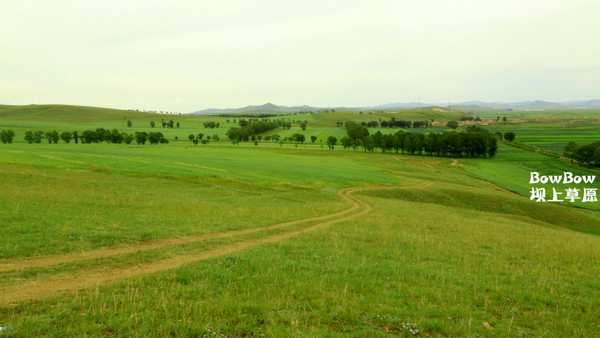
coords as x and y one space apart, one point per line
587 154
199 138
475 142
165 124
94 136
249 128
212 124
393 123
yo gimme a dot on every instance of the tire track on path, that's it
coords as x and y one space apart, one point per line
109 252
14 294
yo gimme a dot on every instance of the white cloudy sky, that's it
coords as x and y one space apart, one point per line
190 55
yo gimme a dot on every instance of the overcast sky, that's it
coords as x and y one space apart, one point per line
189 55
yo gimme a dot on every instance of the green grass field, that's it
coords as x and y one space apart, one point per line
183 240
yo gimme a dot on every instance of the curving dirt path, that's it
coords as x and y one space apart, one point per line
13 294
115 251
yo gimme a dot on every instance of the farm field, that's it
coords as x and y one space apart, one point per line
550 129
176 239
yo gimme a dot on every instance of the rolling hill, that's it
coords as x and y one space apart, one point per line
69 113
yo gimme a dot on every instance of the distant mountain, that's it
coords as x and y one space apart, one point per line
269 108
404 105
585 103
538 104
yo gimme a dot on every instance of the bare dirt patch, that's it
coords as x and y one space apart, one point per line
455 162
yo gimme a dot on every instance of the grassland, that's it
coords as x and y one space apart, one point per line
103 239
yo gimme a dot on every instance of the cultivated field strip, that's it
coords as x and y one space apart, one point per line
10 295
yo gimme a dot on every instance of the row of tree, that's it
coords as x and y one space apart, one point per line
476 142
251 128
199 138
587 154
279 123
393 123
212 124
165 124
95 136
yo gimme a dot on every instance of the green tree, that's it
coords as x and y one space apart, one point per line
570 150
66 136
509 136
303 125
127 138
331 142
367 143
37 136
155 138
89 136
52 136
29 136
152 124
141 137
346 142
585 154
452 124
298 138
356 131
7 136
313 138
129 123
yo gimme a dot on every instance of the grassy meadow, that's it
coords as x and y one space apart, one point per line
279 240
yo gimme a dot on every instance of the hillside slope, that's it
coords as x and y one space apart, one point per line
68 113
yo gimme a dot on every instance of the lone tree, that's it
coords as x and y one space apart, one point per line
313 139
129 123
303 125
331 142
509 136
152 124
452 124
